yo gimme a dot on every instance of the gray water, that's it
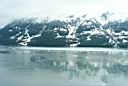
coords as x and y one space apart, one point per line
31 66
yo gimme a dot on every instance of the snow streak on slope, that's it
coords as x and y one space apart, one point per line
81 31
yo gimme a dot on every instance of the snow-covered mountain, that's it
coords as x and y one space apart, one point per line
71 31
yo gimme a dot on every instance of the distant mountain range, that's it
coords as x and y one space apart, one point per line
71 31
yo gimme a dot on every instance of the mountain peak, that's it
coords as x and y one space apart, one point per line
80 31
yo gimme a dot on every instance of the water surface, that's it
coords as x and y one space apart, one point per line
32 66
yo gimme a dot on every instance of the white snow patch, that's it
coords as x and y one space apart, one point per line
124 32
10 30
19 38
71 32
122 37
88 38
110 31
58 36
62 29
124 41
117 34
55 29
12 37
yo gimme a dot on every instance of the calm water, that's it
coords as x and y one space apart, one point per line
27 66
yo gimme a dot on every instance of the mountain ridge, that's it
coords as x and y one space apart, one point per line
70 32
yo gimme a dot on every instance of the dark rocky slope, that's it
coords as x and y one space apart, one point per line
79 32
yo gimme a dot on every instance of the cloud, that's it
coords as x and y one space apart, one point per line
13 9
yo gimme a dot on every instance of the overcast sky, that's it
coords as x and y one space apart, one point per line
12 9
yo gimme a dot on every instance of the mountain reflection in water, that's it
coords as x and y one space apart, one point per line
90 68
